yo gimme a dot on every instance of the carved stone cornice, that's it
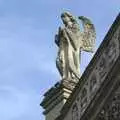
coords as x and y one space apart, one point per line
56 94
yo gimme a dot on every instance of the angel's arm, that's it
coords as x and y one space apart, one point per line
71 38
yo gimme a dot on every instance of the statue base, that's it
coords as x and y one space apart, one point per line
55 98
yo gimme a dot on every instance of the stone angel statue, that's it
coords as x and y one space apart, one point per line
71 40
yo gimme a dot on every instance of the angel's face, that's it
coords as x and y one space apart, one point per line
66 18
67 21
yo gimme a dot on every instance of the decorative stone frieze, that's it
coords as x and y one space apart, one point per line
75 112
111 109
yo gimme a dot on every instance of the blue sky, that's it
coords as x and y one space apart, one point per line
28 51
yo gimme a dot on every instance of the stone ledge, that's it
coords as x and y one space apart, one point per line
56 94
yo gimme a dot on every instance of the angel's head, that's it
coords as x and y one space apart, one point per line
68 19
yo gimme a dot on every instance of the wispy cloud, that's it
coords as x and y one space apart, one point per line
16 103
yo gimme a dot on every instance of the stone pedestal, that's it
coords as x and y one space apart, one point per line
55 98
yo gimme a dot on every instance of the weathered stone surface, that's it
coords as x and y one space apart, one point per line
94 97
111 108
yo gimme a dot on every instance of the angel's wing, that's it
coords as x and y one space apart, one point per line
89 34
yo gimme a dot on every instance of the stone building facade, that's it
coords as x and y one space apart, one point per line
97 94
